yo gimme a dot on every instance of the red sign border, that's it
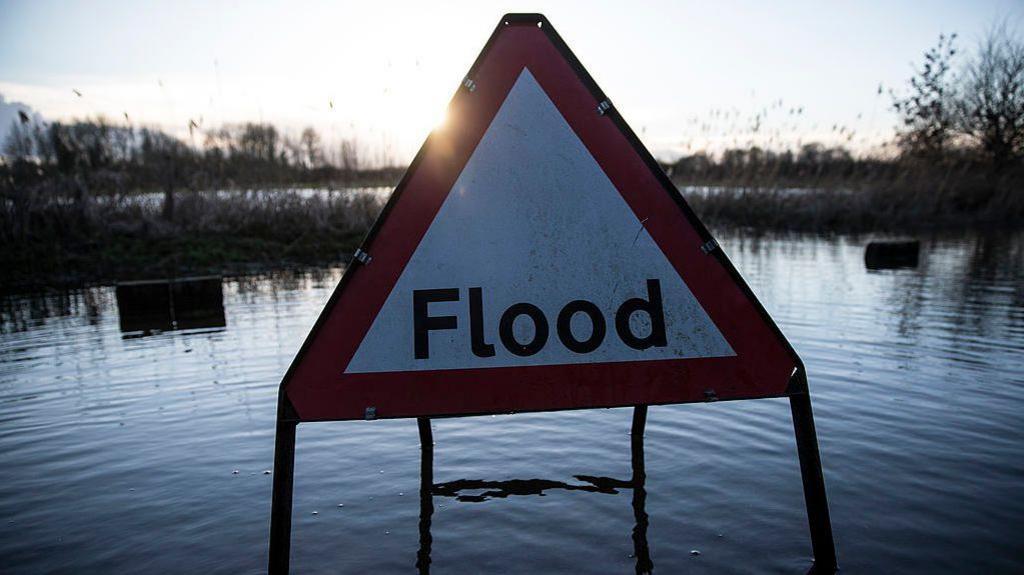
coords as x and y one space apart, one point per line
606 377
815 497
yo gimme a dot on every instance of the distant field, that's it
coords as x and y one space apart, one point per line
53 241
56 240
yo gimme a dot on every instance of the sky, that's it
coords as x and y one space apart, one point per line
688 76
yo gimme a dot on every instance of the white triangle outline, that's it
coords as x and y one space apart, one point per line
545 234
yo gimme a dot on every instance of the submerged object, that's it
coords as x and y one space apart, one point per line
892 254
151 306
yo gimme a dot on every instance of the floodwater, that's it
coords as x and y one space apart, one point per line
148 452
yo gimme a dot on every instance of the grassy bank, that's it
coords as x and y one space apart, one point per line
52 240
56 241
827 190
905 204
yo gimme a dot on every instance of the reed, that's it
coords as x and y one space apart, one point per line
898 196
52 240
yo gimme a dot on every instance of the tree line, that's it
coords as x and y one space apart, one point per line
966 105
810 165
961 111
81 158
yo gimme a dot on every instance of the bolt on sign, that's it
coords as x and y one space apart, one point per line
535 257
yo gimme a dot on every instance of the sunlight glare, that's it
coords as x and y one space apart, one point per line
440 121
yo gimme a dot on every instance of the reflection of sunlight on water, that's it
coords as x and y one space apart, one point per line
915 377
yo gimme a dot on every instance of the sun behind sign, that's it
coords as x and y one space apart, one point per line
535 257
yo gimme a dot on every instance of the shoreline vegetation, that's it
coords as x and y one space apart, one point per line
233 232
95 201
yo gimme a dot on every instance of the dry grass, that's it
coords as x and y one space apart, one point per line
54 240
911 201
50 238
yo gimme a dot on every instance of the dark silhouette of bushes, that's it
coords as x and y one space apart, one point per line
961 150
94 201
47 241
107 158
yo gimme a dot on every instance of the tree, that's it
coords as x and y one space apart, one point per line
990 99
18 144
348 154
259 142
165 158
926 113
310 142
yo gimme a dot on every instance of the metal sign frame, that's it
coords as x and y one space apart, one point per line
636 484
797 390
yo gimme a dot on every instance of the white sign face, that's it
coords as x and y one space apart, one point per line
535 259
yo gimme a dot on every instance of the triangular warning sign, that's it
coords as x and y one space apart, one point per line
552 233
534 257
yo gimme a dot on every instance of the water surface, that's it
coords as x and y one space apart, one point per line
136 452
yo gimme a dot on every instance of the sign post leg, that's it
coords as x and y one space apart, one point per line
814 480
426 494
639 421
281 507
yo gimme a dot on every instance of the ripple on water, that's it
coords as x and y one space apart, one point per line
123 451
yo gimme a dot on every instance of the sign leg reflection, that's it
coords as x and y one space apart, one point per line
426 497
640 549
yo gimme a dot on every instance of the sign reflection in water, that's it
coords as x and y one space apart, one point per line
535 487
